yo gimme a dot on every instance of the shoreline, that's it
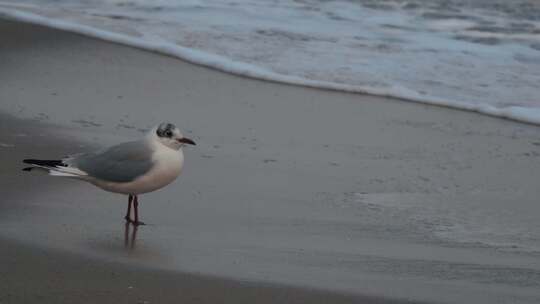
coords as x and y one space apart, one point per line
288 184
244 70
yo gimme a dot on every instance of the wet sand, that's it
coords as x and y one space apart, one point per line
31 273
34 275
345 193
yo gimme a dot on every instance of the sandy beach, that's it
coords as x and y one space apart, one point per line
293 194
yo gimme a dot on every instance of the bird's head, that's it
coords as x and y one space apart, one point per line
170 136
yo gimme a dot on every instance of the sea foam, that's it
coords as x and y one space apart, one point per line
475 61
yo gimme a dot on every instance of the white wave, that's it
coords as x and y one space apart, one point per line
403 73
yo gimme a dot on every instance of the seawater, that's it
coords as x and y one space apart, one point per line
479 55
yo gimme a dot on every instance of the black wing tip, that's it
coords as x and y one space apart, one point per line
28 169
44 162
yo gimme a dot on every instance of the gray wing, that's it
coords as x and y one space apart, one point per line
121 163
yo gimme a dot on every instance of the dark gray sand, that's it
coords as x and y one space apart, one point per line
292 186
35 275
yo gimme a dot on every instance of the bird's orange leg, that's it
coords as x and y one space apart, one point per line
136 208
128 213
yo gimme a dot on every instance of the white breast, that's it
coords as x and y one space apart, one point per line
168 164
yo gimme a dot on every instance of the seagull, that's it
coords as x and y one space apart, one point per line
130 168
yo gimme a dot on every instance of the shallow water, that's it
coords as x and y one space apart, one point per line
481 55
288 220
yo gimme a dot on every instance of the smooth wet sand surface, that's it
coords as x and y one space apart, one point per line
289 185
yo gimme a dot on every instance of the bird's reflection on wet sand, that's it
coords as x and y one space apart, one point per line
130 237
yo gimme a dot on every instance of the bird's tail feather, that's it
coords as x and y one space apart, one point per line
53 167
61 173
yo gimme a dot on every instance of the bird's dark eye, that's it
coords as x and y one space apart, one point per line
165 129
